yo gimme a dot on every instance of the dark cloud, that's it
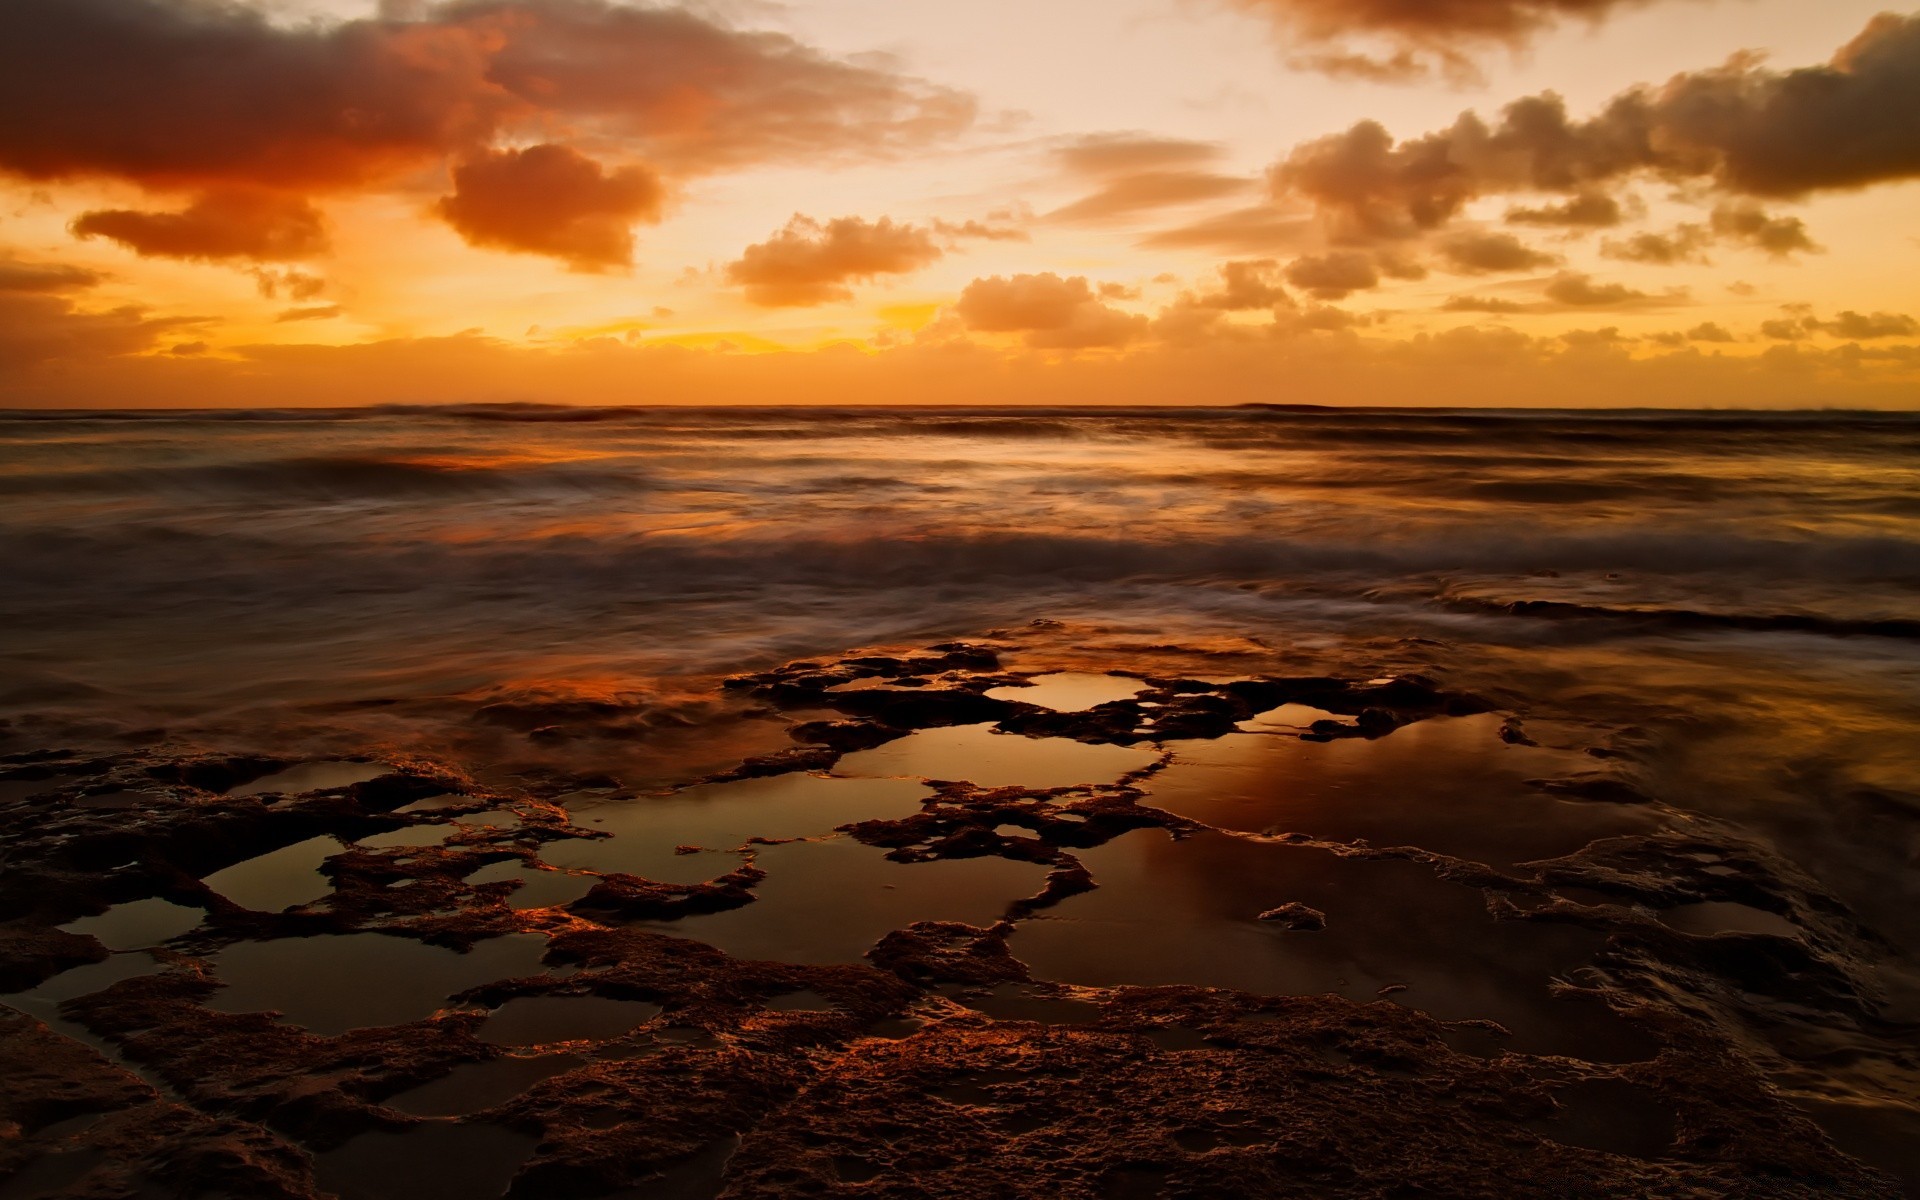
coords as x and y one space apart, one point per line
1245 286
1334 276
1743 129
552 200
220 225
1778 236
810 262
1481 253
17 276
1422 36
197 93
39 326
1588 210
315 312
1053 313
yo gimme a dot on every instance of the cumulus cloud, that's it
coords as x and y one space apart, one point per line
1054 313
1483 253
551 200
1749 223
1580 291
220 225
1684 244
1493 305
1420 36
40 324
1334 276
1743 129
1800 323
1588 210
1245 286
810 262
209 97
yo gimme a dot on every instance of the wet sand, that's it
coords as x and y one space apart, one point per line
999 919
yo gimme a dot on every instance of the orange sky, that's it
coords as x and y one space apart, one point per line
1507 202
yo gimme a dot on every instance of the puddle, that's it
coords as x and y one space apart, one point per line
806 1000
18 788
439 1160
1169 912
700 1176
827 902
336 982
721 816
1072 691
408 835
434 803
1013 1002
471 1087
1724 916
978 755
282 879
1448 784
138 924
538 889
493 818
81 981
312 777
1612 1116
537 1020
1291 718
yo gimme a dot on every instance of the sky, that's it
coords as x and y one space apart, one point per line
1700 203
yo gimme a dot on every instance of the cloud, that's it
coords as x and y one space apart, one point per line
551 200
17 276
1480 253
1256 230
809 263
1334 276
1484 304
1848 325
1741 129
1138 173
1246 286
1707 331
221 225
1111 154
315 312
1685 244
1054 313
1144 192
192 94
38 326
1588 210
1422 36
1580 291
1778 236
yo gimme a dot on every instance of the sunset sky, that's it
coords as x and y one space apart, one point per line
1506 202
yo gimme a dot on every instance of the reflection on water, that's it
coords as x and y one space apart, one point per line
138 924
1448 785
536 1020
538 889
1188 912
312 777
281 879
336 982
436 1160
1723 916
721 816
471 1087
1072 691
979 755
826 902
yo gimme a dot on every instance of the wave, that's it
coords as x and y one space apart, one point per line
330 477
1694 619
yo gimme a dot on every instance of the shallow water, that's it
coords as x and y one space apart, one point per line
1722 604
437 1160
472 1087
980 755
280 879
138 924
336 982
1072 691
830 901
1188 912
